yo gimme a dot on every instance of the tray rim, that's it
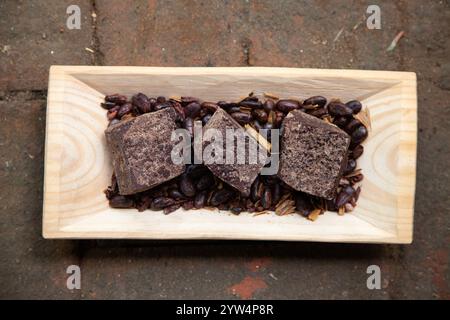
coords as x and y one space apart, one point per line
403 235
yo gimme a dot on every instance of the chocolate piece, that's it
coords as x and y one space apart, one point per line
313 154
242 172
141 149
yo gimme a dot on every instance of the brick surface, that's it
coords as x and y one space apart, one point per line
271 33
228 270
322 34
30 267
31 41
172 33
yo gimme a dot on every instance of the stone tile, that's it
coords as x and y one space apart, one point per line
30 266
34 36
171 33
320 34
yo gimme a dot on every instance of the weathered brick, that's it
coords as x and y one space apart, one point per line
31 41
171 33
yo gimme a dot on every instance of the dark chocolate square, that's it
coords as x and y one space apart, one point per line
238 175
313 154
141 149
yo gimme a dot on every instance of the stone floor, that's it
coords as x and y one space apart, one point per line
33 36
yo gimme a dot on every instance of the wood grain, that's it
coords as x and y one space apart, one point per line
77 165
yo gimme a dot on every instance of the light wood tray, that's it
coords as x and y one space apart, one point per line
78 167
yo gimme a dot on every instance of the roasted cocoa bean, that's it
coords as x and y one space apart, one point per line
187 186
162 105
355 105
331 205
357 152
276 193
221 196
227 105
260 115
341 122
278 119
303 204
359 135
192 110
203 112
144 203
205 182
160 203
141 102
266 199
188 205
187 100
241 117
344 196
124 109
223 206
269 105
357 192
287 105
175 194
196 171
236 210
111 115
234 109
179 109
120 201
339 109
152 102
251 104
350 167
171 208
222 104
157 192
318 112
108 105
357 178
269 180
315 100
115 108
209 106
254 190
116 98
352 125
200 199
160 99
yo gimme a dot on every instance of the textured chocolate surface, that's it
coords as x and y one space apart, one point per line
140 149
238 175
313 154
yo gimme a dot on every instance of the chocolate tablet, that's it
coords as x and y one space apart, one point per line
313 154
141 149
242 172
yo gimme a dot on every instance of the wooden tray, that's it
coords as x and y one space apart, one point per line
78 167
